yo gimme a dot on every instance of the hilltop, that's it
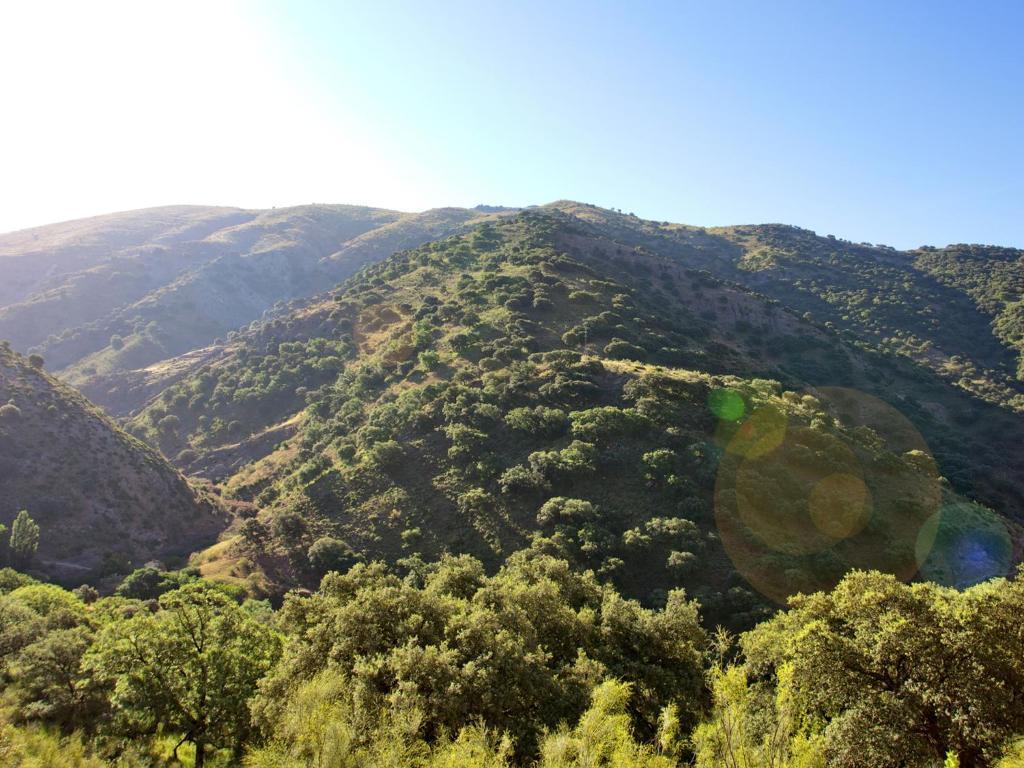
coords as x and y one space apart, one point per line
952 311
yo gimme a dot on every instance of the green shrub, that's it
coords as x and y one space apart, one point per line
623 350
561 509
148 583
330 554
538 421
607 422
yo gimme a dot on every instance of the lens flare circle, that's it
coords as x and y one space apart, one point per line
798 506
964 544
787 496
727 404
840 505
757 435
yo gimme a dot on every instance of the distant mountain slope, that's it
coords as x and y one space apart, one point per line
36 260
68 318
159 284
244 271
914 304
100 496
556 379
992 277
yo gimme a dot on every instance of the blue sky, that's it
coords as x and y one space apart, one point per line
897 123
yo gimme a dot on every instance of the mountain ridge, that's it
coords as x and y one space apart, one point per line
156 298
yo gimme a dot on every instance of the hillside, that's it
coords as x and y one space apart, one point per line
103 500
992 277
627 433
123 293
548 379
950 311
39 259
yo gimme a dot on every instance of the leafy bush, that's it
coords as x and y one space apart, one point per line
455 658
289 528
607 422
521 479
561 509
538 421
329 554
575 460
149 583
623 350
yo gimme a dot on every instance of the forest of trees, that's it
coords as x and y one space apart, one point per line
536 665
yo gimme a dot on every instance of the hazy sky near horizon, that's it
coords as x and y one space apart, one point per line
899 123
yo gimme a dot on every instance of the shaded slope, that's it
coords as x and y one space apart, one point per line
919 336
99 496
992 277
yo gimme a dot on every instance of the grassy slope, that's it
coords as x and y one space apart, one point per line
414 441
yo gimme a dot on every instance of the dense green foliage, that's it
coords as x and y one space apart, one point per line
539 665
190 668
519 651
875 673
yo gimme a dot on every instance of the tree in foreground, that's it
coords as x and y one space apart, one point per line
517 653
322 724
754 725
24 540
604 736
189 669
885 674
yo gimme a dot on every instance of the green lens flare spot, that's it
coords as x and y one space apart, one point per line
727 404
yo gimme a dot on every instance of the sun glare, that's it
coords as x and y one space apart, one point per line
128 105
